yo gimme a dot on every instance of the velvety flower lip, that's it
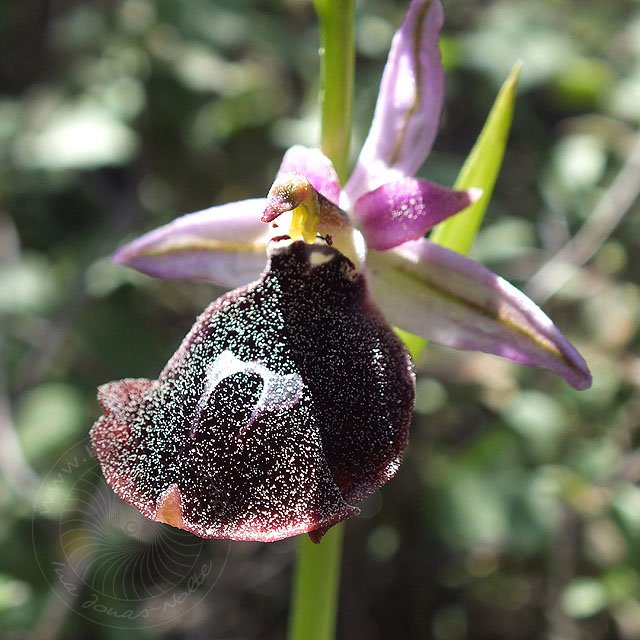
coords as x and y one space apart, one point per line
290 399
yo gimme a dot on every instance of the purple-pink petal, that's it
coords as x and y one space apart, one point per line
224 244
315 167
445 297
405 210
407 113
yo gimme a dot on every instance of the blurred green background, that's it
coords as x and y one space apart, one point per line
517 511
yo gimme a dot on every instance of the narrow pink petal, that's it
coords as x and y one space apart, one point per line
450 299
315 167
405 210
224 244
407 113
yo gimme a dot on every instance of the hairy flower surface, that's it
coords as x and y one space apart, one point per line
290 399
288 402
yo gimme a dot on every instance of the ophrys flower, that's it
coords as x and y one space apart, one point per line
290 399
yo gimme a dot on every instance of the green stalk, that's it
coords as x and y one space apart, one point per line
336 93
316 582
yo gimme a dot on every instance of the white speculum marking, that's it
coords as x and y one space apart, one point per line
278 391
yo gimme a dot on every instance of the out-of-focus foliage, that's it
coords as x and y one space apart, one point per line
517 511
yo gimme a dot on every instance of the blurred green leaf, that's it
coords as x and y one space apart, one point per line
27 285
582 81
626 506
48 417
539 419
78 136
584 597
12 592
580 160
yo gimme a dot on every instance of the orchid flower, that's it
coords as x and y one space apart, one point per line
290 399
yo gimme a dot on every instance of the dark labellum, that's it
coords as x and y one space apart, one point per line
288 402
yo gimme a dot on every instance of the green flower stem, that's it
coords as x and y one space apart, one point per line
338 64
316 583
314 600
